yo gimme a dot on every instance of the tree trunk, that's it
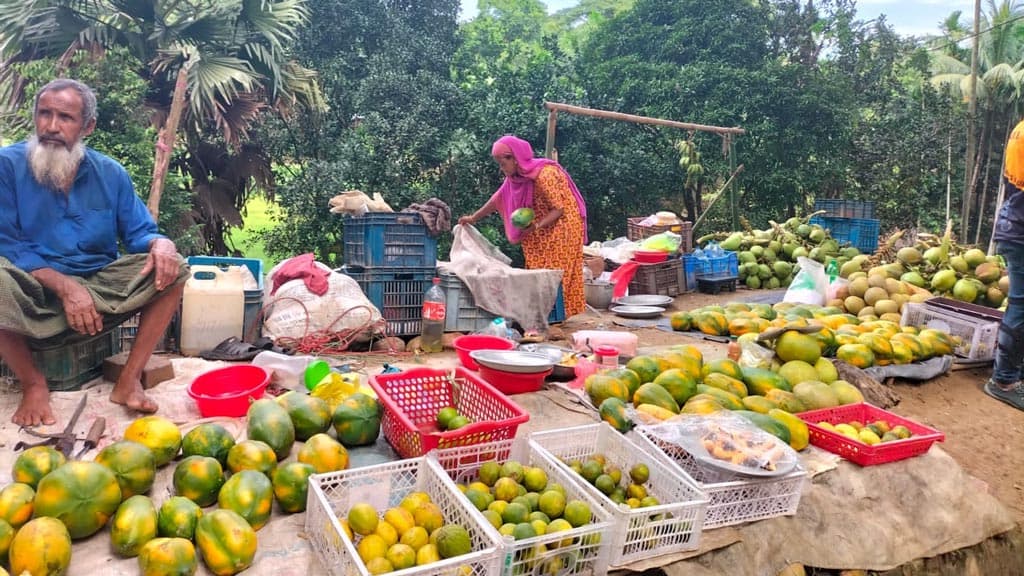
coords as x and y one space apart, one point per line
982 205
975 170
972 107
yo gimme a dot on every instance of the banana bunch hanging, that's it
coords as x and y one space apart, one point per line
689 160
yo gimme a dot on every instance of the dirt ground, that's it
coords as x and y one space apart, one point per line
984 435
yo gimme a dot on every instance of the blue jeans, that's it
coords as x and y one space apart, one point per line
1010 353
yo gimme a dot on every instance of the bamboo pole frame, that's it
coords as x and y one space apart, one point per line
726 133
165 142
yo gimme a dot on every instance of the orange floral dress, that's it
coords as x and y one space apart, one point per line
559 246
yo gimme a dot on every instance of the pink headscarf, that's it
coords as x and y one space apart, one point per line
517 191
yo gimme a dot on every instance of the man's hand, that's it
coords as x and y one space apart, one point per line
163 260
80 308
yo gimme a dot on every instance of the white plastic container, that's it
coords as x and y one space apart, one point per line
212 308
588 340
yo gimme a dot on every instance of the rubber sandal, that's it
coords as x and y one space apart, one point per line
231 349
266 344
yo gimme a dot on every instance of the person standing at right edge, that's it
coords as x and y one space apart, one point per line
1005 384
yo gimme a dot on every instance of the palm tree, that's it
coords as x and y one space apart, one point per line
997 92
236 53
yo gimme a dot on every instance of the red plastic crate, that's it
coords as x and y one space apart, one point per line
411 400
921 440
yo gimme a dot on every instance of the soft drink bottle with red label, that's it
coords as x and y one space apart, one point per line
433 318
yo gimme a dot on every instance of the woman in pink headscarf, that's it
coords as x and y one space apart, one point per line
555 238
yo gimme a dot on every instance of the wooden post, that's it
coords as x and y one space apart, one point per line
165 142
549 144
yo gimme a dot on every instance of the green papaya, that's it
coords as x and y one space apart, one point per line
759 381
270 423
651 393
767 423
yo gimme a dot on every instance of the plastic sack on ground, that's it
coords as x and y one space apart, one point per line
810 285
295 312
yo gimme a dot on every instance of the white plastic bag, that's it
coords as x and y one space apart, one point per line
810 285
835 286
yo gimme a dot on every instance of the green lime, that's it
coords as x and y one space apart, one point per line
445 415
458 422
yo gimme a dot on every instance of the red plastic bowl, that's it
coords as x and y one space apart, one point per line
650 256
466 344
514 382
228 391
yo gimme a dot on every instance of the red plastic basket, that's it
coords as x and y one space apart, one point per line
921 440
411 400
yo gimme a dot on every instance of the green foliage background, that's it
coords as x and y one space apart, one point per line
832 108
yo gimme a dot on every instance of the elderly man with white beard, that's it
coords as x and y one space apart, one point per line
63 209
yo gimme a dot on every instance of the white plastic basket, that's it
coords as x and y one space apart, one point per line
734 499
639 533
589 548
384 486
978 337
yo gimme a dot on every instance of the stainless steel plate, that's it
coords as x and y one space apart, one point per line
512 360
638 311
645 300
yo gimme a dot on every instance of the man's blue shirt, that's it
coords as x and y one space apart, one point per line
75 233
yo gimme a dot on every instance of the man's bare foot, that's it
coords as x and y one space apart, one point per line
35 408
134 397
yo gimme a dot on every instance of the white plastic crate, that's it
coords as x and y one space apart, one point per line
978 337
384 486
672 526
546 554
734 499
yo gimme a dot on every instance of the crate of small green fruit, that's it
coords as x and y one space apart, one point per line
656 509
427 408
868 435
399 516
551 525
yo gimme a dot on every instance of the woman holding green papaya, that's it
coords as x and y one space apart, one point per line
555 237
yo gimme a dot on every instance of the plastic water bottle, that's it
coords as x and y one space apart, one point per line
433 318
497 327
832 270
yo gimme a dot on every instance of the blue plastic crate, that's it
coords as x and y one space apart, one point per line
558 312
719 266
397 293
859 232
252 323
836 208
392 239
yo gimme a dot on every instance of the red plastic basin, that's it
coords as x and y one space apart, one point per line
227 391
514 382
466 344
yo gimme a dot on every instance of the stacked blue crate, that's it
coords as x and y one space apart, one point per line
393 259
